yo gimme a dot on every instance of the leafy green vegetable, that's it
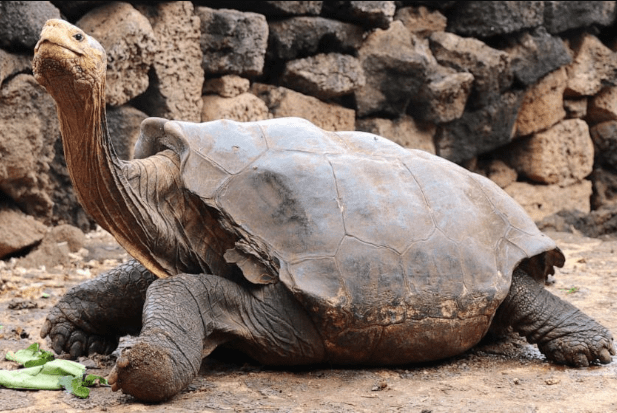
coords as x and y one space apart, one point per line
79 386
30 357
45 377
44 373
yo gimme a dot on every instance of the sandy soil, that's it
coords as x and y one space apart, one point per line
505 376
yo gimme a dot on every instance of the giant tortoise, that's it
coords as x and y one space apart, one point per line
290 243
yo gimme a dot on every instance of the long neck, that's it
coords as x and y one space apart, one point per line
99 177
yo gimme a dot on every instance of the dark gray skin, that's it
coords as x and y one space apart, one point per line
80 325
291 244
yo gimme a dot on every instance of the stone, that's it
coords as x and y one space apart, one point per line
305 36
277 8
489 67
535 53
604 187
604 137
19 231
405 131
74 238
479 131
21 22
593 67
421 21
124 124
49 253
131 47
283 102
177 77
396 65
575 108
594 224
29 129
603 106
12 64
366 13
501 173
324 76
244 107
292 8
485 19
560 16
227 86
443 96
232 42
73 10
540 201
542 105
560 155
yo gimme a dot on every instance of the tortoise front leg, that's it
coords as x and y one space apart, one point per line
187 316
92 316
564 334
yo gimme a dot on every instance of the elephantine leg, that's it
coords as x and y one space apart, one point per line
187 316
564 334
92 316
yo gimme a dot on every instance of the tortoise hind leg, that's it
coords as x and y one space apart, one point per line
93 315
564 334
187 316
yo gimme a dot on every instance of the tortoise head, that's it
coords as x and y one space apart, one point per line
66 58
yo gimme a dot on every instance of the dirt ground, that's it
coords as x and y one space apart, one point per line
505 376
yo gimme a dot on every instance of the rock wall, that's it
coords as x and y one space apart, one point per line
522 92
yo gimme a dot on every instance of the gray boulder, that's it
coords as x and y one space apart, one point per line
21 22
480 131
396 66
536 53
305 36
443 96
489 18
232 42
560 16
324 76
489 67
365 13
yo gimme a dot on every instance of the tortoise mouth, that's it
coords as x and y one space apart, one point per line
47 48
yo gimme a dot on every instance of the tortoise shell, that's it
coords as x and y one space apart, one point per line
375 240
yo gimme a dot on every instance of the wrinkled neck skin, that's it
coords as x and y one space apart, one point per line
123 197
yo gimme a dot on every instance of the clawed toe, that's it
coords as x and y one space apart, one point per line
577 350
146 372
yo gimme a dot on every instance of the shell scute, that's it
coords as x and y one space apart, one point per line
375 281
381 202
296 134
290 201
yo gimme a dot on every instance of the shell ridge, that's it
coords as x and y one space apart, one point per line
339 200
497 210
426 201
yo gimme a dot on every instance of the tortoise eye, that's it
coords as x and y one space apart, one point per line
78 36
